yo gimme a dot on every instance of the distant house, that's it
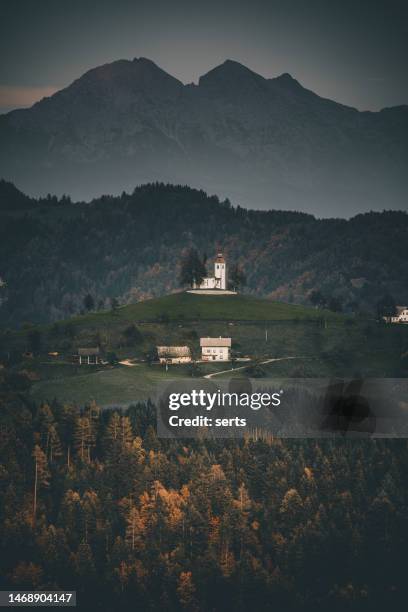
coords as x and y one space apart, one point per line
215 349
88 356
400 317
174 354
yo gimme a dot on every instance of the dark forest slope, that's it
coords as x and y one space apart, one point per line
53 252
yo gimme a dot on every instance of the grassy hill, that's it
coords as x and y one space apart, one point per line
129 247
186 306
318 343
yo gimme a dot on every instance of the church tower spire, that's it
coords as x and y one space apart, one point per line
220 272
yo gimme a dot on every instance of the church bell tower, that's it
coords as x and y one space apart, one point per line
220 272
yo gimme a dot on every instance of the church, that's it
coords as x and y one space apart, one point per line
220 278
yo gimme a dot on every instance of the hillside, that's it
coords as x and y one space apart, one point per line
186 306
284 339
53 252
265 142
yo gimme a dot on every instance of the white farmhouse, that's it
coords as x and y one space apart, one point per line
215 349
401 316
219 280
174 354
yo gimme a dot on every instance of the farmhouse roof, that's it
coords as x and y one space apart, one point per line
173 351
85 352
400 309
215 342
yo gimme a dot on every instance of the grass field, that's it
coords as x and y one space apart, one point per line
324 344
116 386
335 350
190 306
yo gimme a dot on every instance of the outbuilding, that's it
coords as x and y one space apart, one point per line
88 356
174 354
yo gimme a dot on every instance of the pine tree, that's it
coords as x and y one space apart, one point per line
84 438
192 268
126 433
84 562
186 590
113 428
89 302
41 477
44 420
236 277
54 444
135 527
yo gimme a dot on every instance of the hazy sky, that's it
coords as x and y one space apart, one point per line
353 51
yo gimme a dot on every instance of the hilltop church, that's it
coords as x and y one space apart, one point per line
219 280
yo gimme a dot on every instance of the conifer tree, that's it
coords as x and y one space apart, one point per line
41 476
84 438
186 591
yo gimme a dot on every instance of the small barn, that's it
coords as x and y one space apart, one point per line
174 354
88 356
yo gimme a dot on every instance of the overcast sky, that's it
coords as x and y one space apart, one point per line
353 51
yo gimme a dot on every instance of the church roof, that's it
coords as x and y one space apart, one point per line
220 258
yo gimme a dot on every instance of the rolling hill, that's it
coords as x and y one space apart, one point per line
184 306
284 339
53 252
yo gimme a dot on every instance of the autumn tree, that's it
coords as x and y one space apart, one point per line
135 528
41 476
84 437
186 591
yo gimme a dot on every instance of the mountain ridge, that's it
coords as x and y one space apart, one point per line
263 142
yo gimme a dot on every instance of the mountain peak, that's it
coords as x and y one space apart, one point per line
139 73
285 76
229 75
286 80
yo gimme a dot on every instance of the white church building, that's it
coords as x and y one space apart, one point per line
220 278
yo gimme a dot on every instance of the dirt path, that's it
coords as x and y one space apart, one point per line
128 363
245 366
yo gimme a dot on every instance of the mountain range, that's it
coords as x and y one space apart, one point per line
262 142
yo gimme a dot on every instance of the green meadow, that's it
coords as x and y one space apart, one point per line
308 342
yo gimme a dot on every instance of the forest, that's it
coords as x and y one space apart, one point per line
94 501
59 257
